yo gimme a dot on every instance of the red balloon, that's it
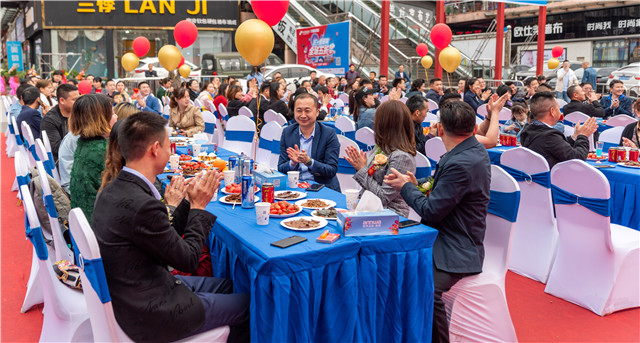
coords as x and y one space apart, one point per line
84 87
422 49
441 35
181 61
141 46
270 11
557 51
185 33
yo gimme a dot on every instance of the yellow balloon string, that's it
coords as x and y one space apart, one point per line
426 74
449 80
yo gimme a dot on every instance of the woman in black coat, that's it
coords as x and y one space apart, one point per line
631 133
276 92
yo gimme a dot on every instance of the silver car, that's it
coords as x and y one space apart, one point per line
630 77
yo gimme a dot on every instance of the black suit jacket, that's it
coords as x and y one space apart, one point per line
137 242
457 207
593 109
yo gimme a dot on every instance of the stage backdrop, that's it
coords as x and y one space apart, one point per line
325 47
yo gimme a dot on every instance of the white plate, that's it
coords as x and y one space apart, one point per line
313 214
222 200
301 195
328 202
323 223
223 190
286 215
604 157
621 164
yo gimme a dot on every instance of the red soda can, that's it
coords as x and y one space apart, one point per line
502 139
512 140
613 154
268 192
634 154
622 154
173 147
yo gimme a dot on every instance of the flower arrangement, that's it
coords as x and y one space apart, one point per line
425 187
379 161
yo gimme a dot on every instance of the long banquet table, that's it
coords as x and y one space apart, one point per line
358 289
625 189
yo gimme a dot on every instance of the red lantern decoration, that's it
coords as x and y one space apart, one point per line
141 46
181 61
84 87
557 51
422 49
270 11
441 35
185 33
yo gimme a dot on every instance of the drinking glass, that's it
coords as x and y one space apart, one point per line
599 146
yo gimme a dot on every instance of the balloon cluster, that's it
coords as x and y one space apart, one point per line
254 38
449 57
556 52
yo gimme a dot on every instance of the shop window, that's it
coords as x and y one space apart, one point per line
89 48
613 53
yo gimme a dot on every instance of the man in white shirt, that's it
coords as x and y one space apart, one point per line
566 79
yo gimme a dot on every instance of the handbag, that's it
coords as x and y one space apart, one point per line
68 273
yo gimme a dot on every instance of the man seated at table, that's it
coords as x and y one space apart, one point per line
457 205
577 96
310 147
435 93
145 101
138 243
616 102
418 107
29 112
590 96
541 137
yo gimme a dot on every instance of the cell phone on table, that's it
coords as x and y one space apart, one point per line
287 242
315 187
407 223
601 166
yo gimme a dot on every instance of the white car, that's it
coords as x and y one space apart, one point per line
159 69
630 77
293 72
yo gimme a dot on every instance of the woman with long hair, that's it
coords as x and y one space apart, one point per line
186 118
124 110
46 93
207 93
114 161
194 87
276 92
395 148
474 95
364 109
236 100
91 119
221 96
121 89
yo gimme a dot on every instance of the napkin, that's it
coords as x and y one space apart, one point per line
263 168
201 138
369 202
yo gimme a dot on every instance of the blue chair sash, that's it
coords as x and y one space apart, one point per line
209 127
50 206
349 134
34 234
364 147
543 179
34 153
479 116
432 162
165 116
23 180
505 205
422 172
599 206
345 167
94 271
50 161
272 146
19 140
239 136
11 129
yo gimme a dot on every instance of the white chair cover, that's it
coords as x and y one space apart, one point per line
384 99
345 98
337 103
598 263
504 115
27 139
197 103
366 139
433 106
434 148
271 115
535 237
403 100
165 113
482 110
210 126
346 127
477 304
103 322
568 130
431 117
621 120
240 134
245 111
10 138
423 166
222 110
611 136
269 144
561 102
345 170
575 118
47 146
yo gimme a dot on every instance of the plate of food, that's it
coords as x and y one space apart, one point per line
289 195
314 204
284 209
235 188
630 164
193 168
593 157
184 157
207 157
304 223
330 213
234 199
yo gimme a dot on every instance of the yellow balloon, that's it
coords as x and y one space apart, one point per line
450 59
184 71
426 62
553 63
254 41
129 61
169 57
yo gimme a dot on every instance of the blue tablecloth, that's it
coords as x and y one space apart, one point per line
625 190
184 150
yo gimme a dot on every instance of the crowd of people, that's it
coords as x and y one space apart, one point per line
109 147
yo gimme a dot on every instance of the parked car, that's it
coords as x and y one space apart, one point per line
159 69
603 77
294 74
630 77
546 71
521 67
231 64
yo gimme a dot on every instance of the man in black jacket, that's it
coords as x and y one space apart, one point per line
419 108
138 241
541 137
55 122
577 96
457 205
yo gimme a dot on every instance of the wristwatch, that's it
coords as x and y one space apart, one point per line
308 163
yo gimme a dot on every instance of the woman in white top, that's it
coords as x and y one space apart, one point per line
46 94
207 93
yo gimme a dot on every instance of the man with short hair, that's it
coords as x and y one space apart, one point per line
590 75
264 103
399 85
96 85
138 242
109 89
616 102
532 85
55 123
150 72
310 147
383 84
16 107
312 76
541 137
436 90
566 78
372 77
29 112
589 94
456 206
402 74
419 108
322 82
145 101
577 96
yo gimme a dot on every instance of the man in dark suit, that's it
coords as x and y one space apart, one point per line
145 101
457 205
138 241
577 96
310 147
29 112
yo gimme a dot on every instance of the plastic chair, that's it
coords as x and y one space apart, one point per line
482 111
611 137
504 115
366 139
433 106
621 120
423 166
384 99
209 125
245 111
561 103
104 326
269 144
477 304
10 138
345 170
240 135
222 111
345 98
598 263
66 318
28 142
52 163
535 238
346 127
574 118
434 149
271 115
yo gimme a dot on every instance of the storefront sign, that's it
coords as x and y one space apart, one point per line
286 29
419 14
529 57
325 47
14 54
140 14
